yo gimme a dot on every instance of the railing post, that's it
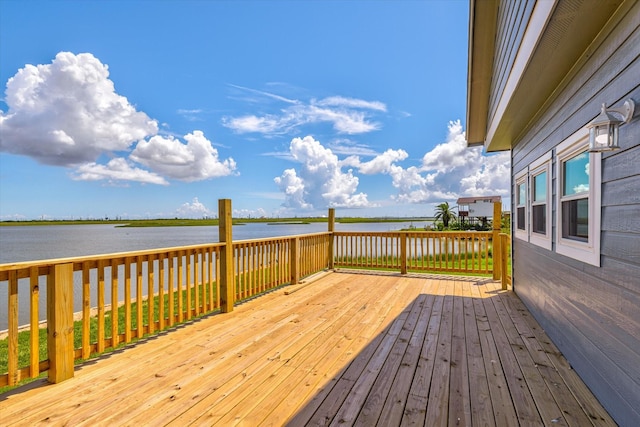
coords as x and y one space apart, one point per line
403 253
496 252
504 244
13 328
331 227
60 322
227 277
294 260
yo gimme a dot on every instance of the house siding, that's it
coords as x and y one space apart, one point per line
593 313
512 23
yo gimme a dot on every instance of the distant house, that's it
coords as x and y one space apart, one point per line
477 207
538 75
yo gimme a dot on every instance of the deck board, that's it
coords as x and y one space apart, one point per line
350 348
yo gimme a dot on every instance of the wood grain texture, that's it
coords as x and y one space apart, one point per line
359 349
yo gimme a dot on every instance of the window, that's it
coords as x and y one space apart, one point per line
540 179
575 197
539 204
521 229
578 192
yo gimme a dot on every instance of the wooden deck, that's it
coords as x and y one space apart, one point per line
348 348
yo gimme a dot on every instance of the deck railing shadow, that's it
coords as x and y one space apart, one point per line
454 359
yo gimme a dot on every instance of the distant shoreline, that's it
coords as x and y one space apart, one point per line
178 222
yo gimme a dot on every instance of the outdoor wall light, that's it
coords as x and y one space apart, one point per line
603 130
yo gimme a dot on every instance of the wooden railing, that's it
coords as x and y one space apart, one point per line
114 299
99 302
381 250
456 252
119 298
264 264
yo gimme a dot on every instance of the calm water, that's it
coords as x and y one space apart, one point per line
61 241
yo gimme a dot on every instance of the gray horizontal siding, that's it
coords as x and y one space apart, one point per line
593 313
513 17
588 326
611 75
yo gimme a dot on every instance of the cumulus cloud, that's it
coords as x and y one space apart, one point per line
448 171
382 164
194 161
249 213
346 115
451 170
117 169
194 209
320 182
68 114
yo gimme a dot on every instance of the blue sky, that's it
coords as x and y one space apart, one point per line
145 109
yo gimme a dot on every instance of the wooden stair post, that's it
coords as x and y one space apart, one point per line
227 277
60 322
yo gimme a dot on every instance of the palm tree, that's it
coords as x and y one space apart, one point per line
445 213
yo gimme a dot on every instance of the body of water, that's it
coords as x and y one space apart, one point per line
31 243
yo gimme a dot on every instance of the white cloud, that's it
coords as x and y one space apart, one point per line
249 124
249 213
344 120
347 115
193 115
117 169
451 170
68 113
320 182
294 189
348 147
339 101
406 179
262 94
490 177
194 161
582 188
451 154
448 171
195 209
382 163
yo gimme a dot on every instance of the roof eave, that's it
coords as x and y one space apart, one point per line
482 30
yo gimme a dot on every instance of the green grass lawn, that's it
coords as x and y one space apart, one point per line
24 337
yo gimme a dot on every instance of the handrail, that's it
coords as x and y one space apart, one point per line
168 285
120 297
45 263
454 252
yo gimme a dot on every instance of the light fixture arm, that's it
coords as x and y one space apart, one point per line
626 110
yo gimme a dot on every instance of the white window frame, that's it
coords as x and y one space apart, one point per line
589 251
542 165
522 178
